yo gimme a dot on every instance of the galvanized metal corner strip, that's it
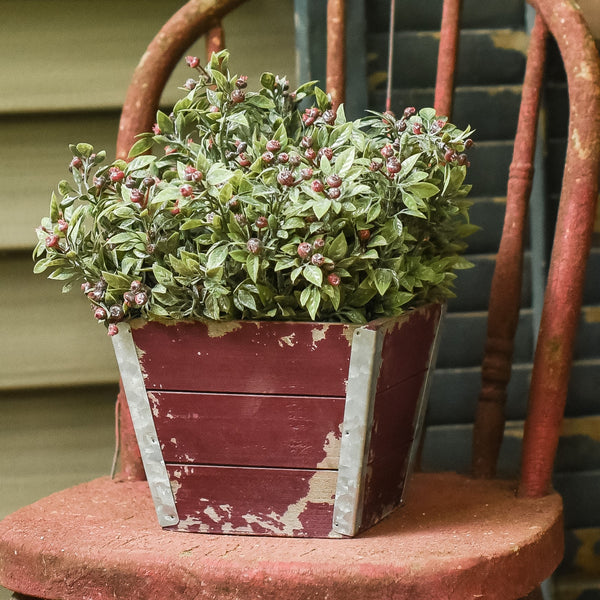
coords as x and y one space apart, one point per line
143 423
363 373
423 398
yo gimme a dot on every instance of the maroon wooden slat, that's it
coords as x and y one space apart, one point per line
574 226
505 297
248 430
249 357
150 76
241 500
447 54
389 449
407 344
336 51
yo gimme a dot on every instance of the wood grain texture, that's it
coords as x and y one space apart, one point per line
239 500
249 429
250 357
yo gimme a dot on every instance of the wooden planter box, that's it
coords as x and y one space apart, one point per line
278 428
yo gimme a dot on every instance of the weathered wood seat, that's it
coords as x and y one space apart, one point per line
457 537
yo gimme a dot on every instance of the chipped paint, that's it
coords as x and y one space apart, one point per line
318 334
587 426
509 39
218 329
332 450
211 513
591 314
288 340
321 487
583 152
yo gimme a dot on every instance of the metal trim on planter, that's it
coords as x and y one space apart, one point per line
363 373
145 431
423 399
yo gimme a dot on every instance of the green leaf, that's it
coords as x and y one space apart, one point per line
192 224
216 256
313 302
140 147
427 114
253 266
260 101
267 80
246 299
382 279
338 248
164 123
162 275
54 210
116 281
320 207
217 175
322 99
85 150
423 189
313 274
344 162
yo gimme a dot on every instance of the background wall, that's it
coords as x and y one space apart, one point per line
64 70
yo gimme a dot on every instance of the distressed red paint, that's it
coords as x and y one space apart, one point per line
249 416
336 51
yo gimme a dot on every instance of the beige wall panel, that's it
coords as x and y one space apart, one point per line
77 54
34 155
48 338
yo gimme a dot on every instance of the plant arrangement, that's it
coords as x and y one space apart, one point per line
253 208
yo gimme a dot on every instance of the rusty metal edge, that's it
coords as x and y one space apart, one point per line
145 431
363 372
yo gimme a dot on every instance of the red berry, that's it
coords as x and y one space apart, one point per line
417 128
186 190
375 165
273 145
241 82
295 160
401 125
214 109
334 180
364 234
317 186
317 259
156 129
254 245
233 204
141 298
116 313
76 163
326 152
115 174
283 158
86 287
262 222
393 165
137 196
52 241
333 279
387 151
197 176
409 111
318 243
468 143
244 160
100 313
310 154
129 298
286 178
306 173
449 155
192 61
175 210
304 250
333 193
135 285
62 225
306 141
190 84
267 157
463 159
113 329
329 117
237 96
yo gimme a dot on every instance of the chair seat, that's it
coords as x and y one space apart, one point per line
451 540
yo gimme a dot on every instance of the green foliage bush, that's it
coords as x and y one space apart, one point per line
255 209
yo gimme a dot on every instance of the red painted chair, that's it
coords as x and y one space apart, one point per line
458 537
